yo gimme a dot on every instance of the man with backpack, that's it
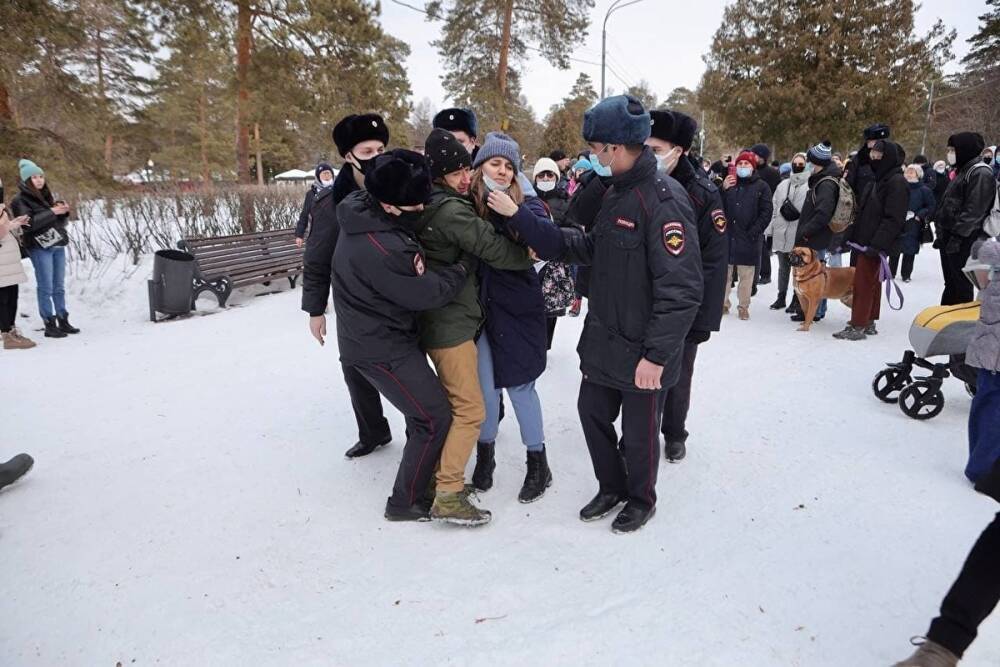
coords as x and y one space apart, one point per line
962 212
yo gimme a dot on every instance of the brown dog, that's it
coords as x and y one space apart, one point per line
815 282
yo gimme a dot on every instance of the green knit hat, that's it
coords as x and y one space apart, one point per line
29 169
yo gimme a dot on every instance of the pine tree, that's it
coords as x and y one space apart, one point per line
564 124
643 92
984 55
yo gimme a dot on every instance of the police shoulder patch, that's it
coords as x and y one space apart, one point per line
719 220
418 264
673 237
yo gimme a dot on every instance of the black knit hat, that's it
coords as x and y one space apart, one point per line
761 151
674 127
877 131
400 178
444 153
457 120
557 155
353 129
323 166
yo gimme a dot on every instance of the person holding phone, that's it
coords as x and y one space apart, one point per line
11 275
45 239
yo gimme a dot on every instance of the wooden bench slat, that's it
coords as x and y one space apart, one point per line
216 259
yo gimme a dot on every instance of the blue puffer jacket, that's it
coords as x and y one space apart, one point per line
921 206
515 307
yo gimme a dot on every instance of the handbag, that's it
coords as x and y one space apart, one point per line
788 211
927 234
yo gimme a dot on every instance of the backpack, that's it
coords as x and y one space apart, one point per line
845 212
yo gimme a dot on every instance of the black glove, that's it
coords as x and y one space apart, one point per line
938 243
697 337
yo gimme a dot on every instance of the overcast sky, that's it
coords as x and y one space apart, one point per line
661 41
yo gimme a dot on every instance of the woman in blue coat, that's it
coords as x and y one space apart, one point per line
512 347
747 199
921 206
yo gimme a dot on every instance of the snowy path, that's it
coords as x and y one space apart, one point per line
191 505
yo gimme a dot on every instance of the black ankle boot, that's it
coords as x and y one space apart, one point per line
65 326
482 476
52 329
537 479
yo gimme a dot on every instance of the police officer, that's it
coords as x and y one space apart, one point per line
359 138
380 283
645 290
671 136
462 123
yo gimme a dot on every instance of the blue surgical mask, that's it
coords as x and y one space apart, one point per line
744 172
493 186
599 168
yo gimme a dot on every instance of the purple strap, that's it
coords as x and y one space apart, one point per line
884 276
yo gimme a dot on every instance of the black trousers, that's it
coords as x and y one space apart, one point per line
973 595
764 272
957 288
907 264
678 400
372 425
8 307
635 476
550 327
413 389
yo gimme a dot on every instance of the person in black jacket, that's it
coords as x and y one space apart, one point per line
644 295
859 172
380 283
920 208
772 176
324 180
882 213
672 133
359 140
962 212
749 207
817 211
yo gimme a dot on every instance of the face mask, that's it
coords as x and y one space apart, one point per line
987 159
798 168
545 186
493 186
940 170
410 218
744 172
364 165
667 162
951 157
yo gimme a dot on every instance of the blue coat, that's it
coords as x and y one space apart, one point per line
748 209
921 205
515 307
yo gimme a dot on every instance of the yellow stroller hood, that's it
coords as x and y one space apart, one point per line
944 330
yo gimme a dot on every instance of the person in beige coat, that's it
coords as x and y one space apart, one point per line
11 275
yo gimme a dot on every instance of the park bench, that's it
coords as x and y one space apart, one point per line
224 263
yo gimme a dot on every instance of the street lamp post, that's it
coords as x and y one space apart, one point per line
615 6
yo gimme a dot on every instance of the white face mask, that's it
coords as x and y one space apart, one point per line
545 186
493 186
668 161
951 157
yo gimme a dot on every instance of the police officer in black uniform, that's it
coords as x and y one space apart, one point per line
645 290
671 136
380 282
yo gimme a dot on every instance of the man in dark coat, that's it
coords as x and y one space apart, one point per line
882 212
324 180
359 138
821 201
672 133
962 212
859 171
380 283
645 293
748 205
772 177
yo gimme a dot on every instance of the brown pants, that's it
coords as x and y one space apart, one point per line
867 298
745 275
457 367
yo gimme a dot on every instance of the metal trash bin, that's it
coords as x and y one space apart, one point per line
170 290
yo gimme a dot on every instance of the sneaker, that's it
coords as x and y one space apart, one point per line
13 340
870 330
455 507
744 313
851 333
929 654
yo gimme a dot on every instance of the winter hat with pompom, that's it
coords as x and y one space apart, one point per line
821 154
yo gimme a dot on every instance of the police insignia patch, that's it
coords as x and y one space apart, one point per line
719 220
673 237
418 264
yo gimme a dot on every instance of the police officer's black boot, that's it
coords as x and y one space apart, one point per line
15 469
675 451
537 479
632 518
365 448
600 506
482 476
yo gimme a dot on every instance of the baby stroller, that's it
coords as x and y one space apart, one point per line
938 331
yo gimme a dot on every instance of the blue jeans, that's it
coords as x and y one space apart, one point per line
50 274
527 405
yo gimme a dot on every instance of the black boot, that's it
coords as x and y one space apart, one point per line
675 451
15 469
65 326
537 479
52 329
419 511
364 449
793 307
600 506
482 476
632 518
778 304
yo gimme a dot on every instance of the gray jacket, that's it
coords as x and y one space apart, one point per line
984 350
795 188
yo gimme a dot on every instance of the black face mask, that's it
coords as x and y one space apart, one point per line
987 159
798 168
410 218
364 165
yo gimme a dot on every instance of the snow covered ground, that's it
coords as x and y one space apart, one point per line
191 504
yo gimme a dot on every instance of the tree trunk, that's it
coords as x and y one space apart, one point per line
243 28
206 174
260 163
508 18
109 142
6 113
102 94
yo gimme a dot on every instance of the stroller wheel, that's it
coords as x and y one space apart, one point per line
921 400
970 389
888 383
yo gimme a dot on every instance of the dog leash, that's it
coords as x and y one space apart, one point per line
884 276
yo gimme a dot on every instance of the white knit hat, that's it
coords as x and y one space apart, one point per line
545 164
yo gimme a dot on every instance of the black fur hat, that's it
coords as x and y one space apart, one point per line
400 178
674 127
457 120
353 129
877 131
